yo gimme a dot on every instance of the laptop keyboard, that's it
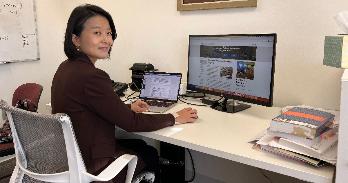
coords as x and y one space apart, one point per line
158 103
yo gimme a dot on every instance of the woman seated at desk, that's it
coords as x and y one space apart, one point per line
85 93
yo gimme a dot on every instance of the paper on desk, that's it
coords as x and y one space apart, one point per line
319 144
329 156
258 136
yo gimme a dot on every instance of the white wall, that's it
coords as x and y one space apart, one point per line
154 31
51 20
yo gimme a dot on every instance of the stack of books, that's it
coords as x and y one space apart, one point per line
303 133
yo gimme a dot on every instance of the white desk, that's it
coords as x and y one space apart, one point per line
227 135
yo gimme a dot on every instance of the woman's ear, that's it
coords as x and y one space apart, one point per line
75 40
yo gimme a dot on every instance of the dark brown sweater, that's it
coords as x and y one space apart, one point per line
85 93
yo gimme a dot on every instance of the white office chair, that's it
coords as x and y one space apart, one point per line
46 150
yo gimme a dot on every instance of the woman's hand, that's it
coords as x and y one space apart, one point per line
139 106
186 115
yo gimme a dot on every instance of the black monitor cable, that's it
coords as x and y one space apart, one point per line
221 97
182 97
132 83
129 96
193 167
264 175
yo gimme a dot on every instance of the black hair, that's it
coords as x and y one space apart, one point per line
75 25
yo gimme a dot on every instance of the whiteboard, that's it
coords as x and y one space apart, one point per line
18 31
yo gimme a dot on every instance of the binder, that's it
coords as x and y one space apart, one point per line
295 156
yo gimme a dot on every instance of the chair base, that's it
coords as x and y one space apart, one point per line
144 177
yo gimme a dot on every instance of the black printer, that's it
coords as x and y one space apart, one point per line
138 70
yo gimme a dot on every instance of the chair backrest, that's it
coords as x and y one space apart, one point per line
44 144
29 93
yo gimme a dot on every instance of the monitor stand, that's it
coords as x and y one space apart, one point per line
231 106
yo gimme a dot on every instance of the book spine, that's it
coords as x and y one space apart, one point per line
323 128
294 129
304 141
294 122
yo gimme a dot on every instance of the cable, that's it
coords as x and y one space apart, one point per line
193 94
218 101
128 97
264 175
132 83
189 102
193 168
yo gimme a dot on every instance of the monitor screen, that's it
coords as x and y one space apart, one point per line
235 66
162 86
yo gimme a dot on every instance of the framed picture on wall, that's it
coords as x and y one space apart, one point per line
186 5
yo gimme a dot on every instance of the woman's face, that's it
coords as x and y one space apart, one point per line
95 39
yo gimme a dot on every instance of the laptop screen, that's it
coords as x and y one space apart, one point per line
161 86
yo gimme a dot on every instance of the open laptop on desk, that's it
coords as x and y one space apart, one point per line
160 90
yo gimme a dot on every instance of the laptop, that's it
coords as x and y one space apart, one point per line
160 90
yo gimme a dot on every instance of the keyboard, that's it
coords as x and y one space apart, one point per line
158 103
159 106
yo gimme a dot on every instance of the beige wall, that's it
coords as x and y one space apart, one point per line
154 31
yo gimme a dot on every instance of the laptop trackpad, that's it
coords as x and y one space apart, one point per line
158 109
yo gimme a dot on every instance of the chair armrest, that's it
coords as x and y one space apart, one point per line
115 167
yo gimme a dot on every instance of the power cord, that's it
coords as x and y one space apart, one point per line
128 97
193 168
264 175
124 101
132 83
182 97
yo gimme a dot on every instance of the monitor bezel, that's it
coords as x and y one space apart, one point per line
268 103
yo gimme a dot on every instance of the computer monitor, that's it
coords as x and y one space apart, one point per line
234 66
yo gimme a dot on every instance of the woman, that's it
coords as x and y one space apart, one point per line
85 93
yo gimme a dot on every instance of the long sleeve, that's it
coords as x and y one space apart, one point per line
107 105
